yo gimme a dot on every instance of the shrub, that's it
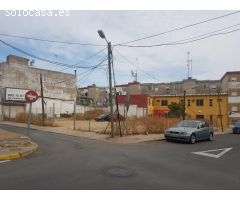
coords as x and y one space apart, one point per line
150 125
35 119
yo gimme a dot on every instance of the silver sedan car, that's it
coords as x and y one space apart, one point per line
190 131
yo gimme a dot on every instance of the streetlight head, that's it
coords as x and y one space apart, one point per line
101 34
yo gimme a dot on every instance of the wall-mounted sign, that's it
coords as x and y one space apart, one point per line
14 94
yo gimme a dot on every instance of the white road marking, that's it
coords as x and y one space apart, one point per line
3 161
207 153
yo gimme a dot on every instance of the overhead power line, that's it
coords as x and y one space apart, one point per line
73 78
182 41
84 60
131 62
180 28
50 41
222 29
43 59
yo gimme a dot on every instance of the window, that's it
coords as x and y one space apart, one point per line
156 89
167 90
234 108
210 102
200 102
233 93
199 116
205 125
150 102
234 79
212 87
211 118
150 88
189 102
164 102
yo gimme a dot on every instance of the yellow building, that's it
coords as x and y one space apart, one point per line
197 106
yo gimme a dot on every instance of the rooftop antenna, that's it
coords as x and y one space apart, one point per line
188 65
32 62
191 67
134 74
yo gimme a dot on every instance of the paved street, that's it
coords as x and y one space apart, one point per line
67 162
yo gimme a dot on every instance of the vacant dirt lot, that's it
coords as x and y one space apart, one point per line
8 135
134 125
84 125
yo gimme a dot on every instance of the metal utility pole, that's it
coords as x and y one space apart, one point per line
220 111
116 99
102 35
191 69
184 101
110 86
29 118
43 112
53 116
75 102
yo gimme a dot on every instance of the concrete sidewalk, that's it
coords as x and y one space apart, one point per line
13 145
127 139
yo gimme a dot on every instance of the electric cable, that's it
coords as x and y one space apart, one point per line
42 59
50 41
131 62
179 43
180 28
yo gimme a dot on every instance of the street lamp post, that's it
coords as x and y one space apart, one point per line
102 35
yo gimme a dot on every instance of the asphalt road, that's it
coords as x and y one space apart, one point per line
67 162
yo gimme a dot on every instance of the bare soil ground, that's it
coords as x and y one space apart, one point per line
8 135
83 125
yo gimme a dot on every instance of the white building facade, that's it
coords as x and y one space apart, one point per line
17 77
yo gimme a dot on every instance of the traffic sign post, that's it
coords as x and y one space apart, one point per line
29 118
30 97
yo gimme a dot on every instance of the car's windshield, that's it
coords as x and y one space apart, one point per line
237 124
190 124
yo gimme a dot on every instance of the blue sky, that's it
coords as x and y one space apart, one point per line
211 57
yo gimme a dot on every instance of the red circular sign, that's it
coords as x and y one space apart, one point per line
31 96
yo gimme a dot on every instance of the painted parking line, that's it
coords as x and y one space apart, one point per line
210 153
3 161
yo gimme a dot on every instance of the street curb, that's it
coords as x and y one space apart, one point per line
26 153
10 156
105 140
19 154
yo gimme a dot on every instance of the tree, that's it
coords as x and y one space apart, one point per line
176 109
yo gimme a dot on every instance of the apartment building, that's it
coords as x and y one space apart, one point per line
93 96
231 85
211 107
191 86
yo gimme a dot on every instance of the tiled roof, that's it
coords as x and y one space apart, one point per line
230 73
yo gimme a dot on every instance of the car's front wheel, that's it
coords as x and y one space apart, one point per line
192 138
210 137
